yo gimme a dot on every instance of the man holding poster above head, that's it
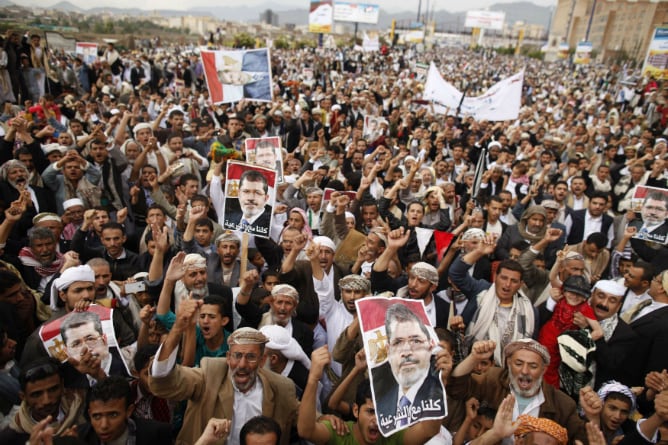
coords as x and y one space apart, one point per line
404 374
265 152
248 205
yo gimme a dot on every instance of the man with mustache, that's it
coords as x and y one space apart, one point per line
41 259
237 387
525 362
254 214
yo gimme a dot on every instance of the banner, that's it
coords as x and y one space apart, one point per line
320 16
400 345
485 20
582 54
370 42
356 12
656 61
87 52
238 74
499 103
250 196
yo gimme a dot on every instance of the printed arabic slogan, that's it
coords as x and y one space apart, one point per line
249 198
400 345
76 332
651 204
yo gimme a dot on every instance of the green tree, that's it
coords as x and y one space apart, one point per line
244 40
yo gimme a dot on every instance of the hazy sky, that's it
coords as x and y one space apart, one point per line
389 5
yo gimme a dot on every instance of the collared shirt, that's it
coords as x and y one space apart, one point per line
649 309
431 311
246 406
632 299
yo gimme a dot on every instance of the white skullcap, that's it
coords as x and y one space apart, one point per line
286 290
194 261
472 234
324 241
51 148
281 340
351 215
65 280
610 287
494 144
141 126
72 202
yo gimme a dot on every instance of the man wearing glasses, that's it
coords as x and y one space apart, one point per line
415 393
237 388
85 341
254 214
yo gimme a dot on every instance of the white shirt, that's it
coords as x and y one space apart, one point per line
649 309
246 406
335 314
578 203
632 299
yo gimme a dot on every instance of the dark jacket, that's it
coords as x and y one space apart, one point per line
121 268
145 432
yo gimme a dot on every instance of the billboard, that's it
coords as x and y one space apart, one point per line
485 20
582 54
656 61
356 12
320 16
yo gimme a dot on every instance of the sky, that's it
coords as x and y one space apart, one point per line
389 5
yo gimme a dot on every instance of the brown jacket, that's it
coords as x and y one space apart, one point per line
210 394
493 387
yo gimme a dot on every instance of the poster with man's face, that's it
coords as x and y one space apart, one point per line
652 205
266 152
371 128
79 333
250 195
400 345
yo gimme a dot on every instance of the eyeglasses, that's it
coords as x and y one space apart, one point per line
90 341
250 357
412 343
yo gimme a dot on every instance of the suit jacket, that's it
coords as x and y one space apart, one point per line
233 222
649 351
210 394
430 394
146 431
658 235
611 356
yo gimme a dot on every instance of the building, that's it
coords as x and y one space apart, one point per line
269 17
619 28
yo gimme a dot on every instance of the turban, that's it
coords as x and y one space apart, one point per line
355 282
229 237
281 340
610 287
247 336
140 127
550 204
11 164
529 424
529 345
324 241
425 271
194 261
473 234
45 216
287 290
71 275
614 386
351 215
72 202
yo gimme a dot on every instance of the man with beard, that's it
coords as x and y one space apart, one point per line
237 387
524 363
185 278
41 260
422 280
254 214
15 178
43 396
414 391
66 179
654 211
224 265
531 228
365 429
282 310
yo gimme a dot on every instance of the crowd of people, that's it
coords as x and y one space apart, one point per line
129 314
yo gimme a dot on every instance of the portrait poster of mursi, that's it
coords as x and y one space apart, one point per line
250 194
79 333
400 347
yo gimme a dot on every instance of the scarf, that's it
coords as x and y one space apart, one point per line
522 225
608 326
28 259
71 404
484 325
